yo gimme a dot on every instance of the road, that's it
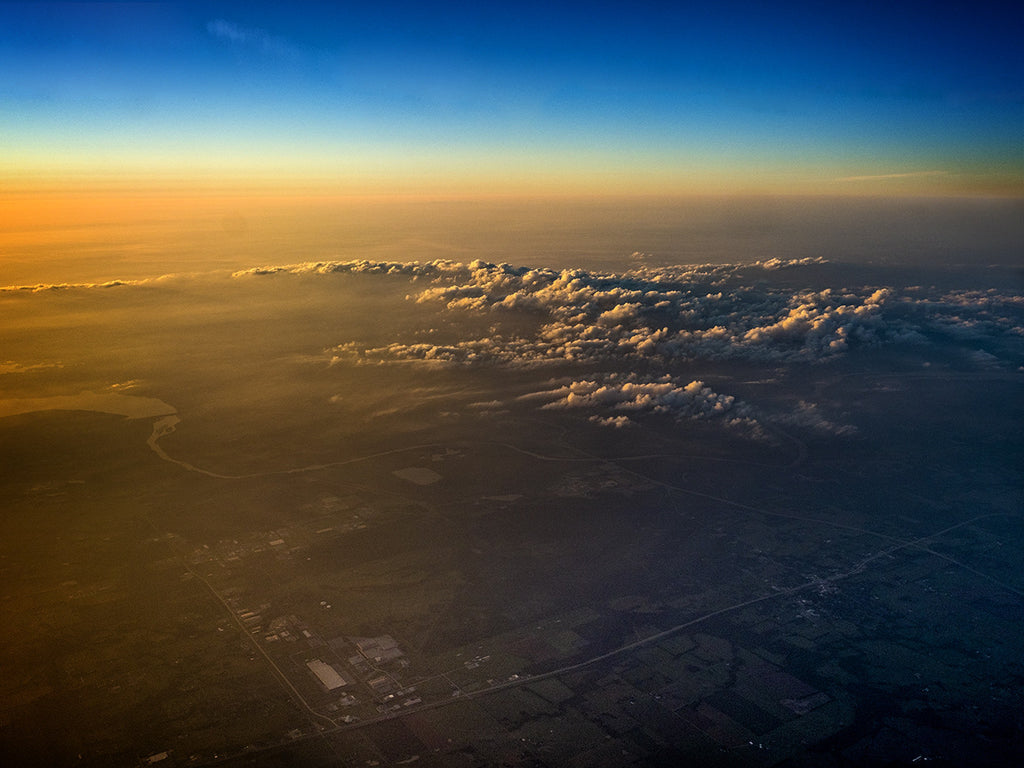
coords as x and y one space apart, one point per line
858 568
327 726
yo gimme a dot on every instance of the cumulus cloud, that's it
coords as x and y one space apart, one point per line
671 313
655 318
713 312
626 394
540 316
432 269
966 315
772 264
648 318
612 421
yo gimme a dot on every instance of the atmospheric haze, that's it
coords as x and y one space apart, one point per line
624 509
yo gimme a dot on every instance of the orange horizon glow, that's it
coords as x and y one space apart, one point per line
18 190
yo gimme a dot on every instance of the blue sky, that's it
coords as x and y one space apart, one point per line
639 97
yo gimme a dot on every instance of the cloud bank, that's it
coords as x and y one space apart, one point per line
712 312
49 287
649 319
625 394
616 338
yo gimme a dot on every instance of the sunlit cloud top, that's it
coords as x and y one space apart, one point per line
644 97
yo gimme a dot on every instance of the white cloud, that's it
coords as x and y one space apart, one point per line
651 318
690 312
632 393
43 287
618 422
788 263
539 316
809 416
661 317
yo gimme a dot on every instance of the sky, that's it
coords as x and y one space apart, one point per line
507 98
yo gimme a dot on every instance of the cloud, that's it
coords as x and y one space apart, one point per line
657 318
631 393
883 176
12 366
253 38
618 422
593 325
487 405
432 269
588 327
984 359
43 287
537 317
776 263
809 416
524 317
